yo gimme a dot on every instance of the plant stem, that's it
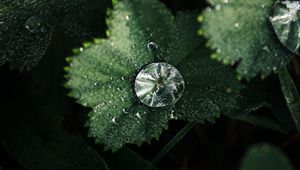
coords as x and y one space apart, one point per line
173 142
291 95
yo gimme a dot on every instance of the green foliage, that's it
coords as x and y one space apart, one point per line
265 157
27 27
101 75
240 31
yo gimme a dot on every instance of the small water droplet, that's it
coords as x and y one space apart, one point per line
35 24
127 17
138 115
125 110
288 100
96 84
123 78
159 85
236 25
152 46
266 48
114 120
218 7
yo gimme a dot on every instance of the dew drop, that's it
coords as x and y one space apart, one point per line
152 46
125 110
96 84
114 120
236 25
266 48
138 115
159 84
35 24
285 20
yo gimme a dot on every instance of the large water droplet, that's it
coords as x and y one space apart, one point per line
159 85
35 24
285 20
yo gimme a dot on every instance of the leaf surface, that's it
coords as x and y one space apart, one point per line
102 75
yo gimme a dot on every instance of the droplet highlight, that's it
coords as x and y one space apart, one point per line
159 84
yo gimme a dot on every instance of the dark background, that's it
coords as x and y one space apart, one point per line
219 146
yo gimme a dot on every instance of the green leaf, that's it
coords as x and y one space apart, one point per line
241 31
291 95
102 75
26 28
265 157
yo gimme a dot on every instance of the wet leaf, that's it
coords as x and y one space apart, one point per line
240 31
102 74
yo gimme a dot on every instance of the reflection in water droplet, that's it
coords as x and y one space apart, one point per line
35 24
159 85
286 23
152 46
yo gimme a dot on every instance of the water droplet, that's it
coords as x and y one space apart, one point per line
288 100
96 84
127 17
138 115
152 46
125 110
123 78
159 85
236 25
266 48
35 24
114 120
218 7
225 1
285 19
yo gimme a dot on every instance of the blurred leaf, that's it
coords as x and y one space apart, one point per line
265 157
102 73
31 124
26 27
127 159
241 32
